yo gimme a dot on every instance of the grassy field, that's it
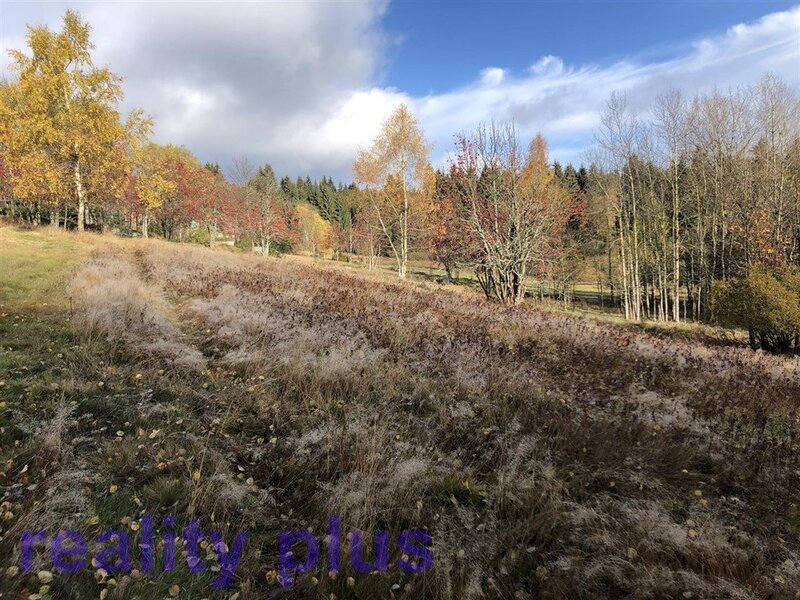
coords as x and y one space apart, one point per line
584 294
585 300
549 455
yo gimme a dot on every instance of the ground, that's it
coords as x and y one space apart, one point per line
549 455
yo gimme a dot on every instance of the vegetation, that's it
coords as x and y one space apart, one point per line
698 191
513 207
549 456
397 177
766 304
703 191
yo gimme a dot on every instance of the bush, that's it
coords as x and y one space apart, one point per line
197 235
766 303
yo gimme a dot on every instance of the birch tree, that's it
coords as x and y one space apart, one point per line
398 181
61 126
262 194
619 137
673 128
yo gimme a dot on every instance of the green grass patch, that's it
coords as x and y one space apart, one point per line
36 267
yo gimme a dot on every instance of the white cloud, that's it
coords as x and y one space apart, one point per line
548 65
564 102
294 83
328 141
492 76
224 79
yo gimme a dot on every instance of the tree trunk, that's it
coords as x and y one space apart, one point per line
448 272
403 262
676 306
145 221
80 196
626 297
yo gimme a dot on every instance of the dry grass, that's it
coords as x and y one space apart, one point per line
549 455
119 310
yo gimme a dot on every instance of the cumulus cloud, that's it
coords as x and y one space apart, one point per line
295 84
283 82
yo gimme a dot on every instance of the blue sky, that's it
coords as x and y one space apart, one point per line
305 85
439 45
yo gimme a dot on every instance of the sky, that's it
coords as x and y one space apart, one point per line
305 85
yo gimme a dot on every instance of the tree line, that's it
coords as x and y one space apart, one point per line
70 159
675 199
703 190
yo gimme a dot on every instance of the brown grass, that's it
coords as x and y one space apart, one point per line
549 455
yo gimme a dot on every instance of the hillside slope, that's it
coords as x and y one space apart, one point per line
547 455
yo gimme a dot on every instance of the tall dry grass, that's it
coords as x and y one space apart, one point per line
549 456
116 307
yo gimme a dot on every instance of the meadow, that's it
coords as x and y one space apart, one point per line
548 454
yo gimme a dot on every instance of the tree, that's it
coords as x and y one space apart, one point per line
61 127
702 191
449 234
673 127
313 231
156 178
513 204
777 153
205 195
175 213
263 180
398 180
620 139
34 174
213 167
262 196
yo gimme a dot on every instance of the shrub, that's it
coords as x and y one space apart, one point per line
766 303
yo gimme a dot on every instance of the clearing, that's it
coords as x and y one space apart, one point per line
548 455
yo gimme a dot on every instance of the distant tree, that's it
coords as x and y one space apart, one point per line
515 208
288 188
449 234
263 180
366 233
673 125
157 176
265 219
206 196
621 138
213 167
398 180
313 232
572 237
242 170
